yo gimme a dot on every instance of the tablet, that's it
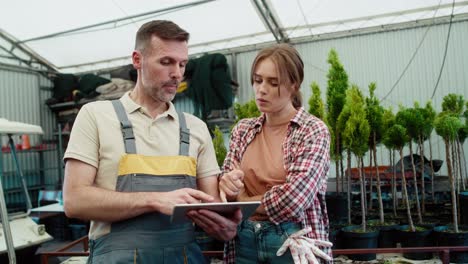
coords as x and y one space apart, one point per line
180 210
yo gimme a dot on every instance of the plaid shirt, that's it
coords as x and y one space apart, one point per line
306 160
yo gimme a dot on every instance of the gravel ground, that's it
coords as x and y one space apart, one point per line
390 258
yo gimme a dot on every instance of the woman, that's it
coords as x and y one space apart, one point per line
282 159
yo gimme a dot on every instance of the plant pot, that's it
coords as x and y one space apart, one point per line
419 238
430 225
354 239
335 235
463 196
446 237
386 233
334 238
337 207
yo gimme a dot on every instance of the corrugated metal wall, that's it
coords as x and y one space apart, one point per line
381 58
184 103
22 96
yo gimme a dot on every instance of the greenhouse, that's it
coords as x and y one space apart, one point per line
339 125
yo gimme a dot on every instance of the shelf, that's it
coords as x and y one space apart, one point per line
18 151
72 104
47 169
69 105
19 189
65 133
221 122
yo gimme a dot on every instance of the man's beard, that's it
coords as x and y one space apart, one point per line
159 93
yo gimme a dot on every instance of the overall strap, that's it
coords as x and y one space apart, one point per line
127 131
184 135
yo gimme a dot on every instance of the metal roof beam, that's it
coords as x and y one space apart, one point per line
114 21
373 17
270 19
347 33
25 55
298 40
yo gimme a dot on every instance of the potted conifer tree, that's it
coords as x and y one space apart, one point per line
388 121
412 120
337 84
336 203
375 114
411 236
396 138
447 125
355 138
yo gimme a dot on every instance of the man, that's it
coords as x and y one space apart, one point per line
130 161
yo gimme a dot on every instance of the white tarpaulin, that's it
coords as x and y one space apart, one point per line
76 36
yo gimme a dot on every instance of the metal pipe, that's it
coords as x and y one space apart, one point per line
20 173
114 21
5 220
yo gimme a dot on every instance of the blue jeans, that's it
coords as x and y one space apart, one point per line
257 242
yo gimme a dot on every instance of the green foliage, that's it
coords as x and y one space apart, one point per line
220 148
429 116
463 132
465 114
388 120
316 106
412 120
246 110
337 84
426 124
447 125
453 103
396 137
341 125
374 115
344 116
357 129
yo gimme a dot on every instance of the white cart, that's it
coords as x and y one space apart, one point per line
19 230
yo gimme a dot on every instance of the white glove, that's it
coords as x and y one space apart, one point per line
304 249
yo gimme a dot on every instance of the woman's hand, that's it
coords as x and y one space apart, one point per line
231 184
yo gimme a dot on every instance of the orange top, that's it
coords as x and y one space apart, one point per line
263 164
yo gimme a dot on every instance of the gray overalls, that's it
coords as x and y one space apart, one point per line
150 238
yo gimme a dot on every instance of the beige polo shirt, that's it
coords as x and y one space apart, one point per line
96 139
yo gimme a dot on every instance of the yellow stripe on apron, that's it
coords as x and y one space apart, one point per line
150 238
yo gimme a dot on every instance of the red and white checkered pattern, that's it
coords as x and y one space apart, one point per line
301 198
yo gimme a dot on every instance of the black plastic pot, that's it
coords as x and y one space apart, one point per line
386 233
333 236
463 208
354 239
431 238
415 239
337 207
387 236
447 238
